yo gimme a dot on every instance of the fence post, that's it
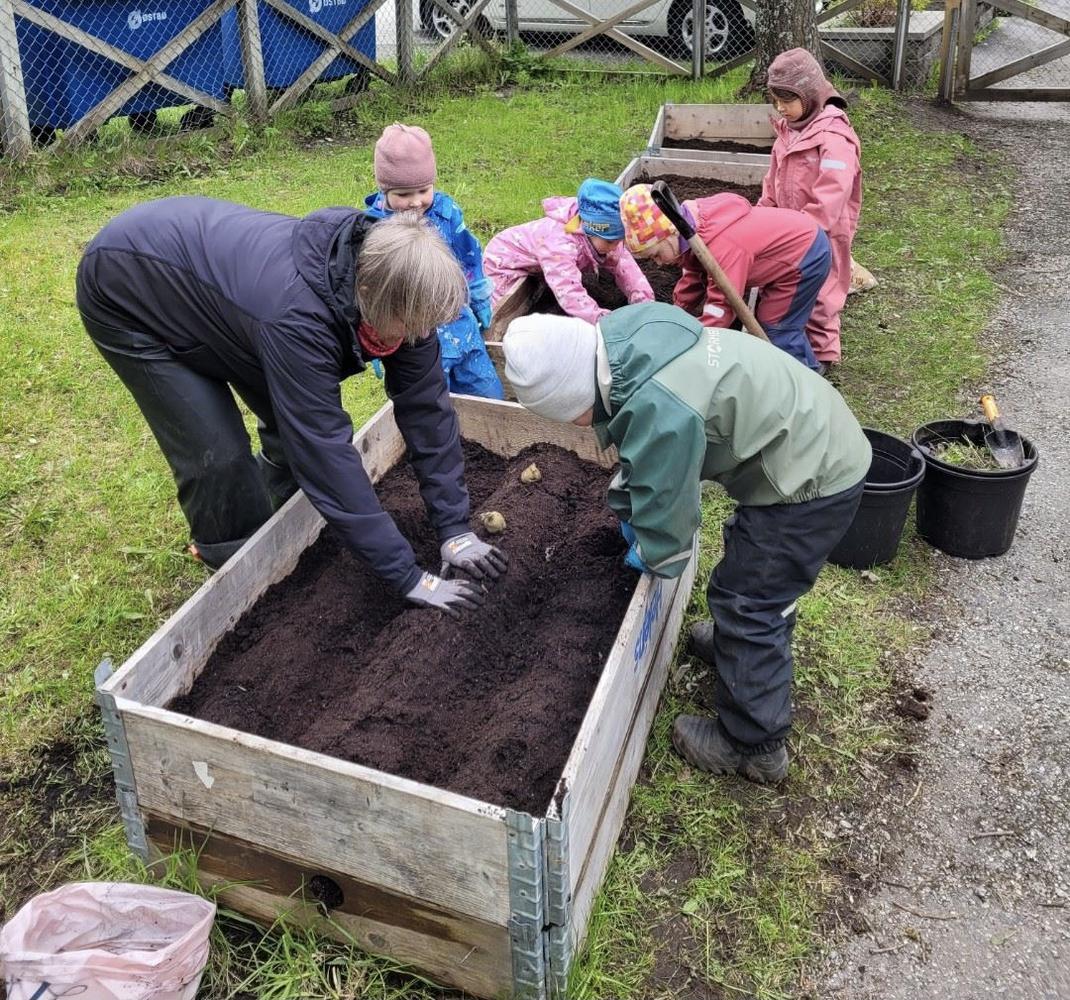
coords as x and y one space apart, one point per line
946 86
252 58
512 23
15 126
698 39
967 29
405 39
899 55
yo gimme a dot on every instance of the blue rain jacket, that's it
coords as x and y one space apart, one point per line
460 341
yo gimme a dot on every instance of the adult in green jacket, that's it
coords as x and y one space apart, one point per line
684 405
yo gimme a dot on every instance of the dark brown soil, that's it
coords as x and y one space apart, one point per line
686 188
603 289
487 706
718 145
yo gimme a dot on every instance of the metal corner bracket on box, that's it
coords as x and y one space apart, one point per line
125 789
540 910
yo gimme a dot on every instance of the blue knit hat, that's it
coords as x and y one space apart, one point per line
599 208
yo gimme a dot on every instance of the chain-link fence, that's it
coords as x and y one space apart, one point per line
71 68
1010 50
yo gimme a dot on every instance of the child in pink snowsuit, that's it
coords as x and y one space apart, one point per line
576 236
815 168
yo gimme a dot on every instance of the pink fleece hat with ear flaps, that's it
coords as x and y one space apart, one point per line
797 71
404 158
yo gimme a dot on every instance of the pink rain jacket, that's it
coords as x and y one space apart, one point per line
816 170
756 247
563 258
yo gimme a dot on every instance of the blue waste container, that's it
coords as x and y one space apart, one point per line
64 80
289 49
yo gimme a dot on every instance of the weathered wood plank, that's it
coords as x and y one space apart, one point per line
588 776
600 27
710 122
660 166
507 428
1016 94
465 952
590 870
852 65
516 302
252 58
169 661
14 116
463 26
423 842
1037 15
1023 65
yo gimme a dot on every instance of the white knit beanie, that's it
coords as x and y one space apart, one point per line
550 361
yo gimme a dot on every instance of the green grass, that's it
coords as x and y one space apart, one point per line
715 881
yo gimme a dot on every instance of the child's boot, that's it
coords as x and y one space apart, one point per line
700 641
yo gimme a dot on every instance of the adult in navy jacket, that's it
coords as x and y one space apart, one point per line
190 298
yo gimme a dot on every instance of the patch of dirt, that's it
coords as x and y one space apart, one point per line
602 287
46 807
690 188
487 706
718 145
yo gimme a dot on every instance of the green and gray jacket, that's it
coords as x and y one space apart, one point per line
685 404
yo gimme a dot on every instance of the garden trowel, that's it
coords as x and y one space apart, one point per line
666 201
1005 445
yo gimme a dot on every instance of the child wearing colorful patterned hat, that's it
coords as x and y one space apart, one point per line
576 236
405 172
782 253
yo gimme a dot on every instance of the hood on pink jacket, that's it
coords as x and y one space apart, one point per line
830 120
560 208
718 212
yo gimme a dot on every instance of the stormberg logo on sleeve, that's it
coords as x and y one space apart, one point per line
136 18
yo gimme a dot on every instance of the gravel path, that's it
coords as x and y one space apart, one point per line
975 901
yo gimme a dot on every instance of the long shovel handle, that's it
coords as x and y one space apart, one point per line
667 202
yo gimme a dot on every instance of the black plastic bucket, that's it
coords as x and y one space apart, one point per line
894 474
964 512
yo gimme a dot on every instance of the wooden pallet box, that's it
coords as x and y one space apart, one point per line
473 895
747 124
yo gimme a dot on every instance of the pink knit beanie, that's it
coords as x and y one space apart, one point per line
404 158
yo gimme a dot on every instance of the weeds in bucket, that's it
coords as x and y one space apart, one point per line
966 455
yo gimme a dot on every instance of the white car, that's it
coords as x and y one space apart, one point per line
729 27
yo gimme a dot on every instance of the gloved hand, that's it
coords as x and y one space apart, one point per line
377 367
628 532
484 314
634 560
451 596
475 557
479 293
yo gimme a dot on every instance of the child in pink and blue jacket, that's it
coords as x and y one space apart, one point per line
405 172
576 236
815 169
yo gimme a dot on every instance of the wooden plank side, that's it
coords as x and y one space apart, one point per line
710 122
516 302
507 428
169 661
379 829
649 629
455 950
722 170
590 870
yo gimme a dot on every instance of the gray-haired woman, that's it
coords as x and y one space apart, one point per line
191 298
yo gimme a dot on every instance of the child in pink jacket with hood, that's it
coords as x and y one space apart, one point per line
576 236
815 168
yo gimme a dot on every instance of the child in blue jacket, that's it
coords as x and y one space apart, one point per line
405 173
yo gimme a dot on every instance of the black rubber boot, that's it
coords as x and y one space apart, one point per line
700 641
701 743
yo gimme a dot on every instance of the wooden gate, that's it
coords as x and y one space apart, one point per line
1025 40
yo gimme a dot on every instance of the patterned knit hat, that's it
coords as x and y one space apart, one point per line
404 158
645 225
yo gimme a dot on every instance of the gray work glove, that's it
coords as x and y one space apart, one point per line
475 557
451 596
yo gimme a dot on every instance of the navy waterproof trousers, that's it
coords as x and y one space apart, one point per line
772 556
224 490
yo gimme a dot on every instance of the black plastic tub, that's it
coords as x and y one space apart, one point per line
894 474
966 512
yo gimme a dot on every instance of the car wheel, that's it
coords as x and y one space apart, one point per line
727 33
440 23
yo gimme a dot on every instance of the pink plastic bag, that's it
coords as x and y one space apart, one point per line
107 941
